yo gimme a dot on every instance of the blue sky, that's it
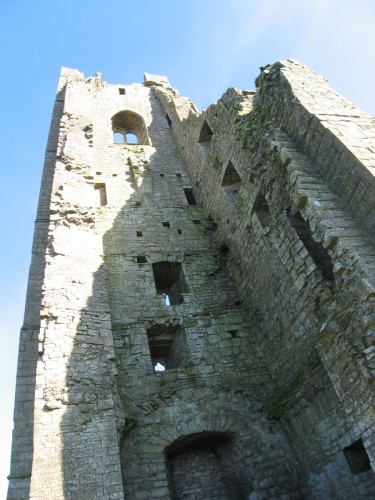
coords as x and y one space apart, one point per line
203 46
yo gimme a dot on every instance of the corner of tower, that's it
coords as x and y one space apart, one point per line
159 81
69 74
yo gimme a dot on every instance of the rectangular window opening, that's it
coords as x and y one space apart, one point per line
196 221
139 233
121 91
166 346
141 259
166 224
190 196
170 281
100 188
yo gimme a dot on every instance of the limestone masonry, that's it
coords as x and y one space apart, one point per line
200 312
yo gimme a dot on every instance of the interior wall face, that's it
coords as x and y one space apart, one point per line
200 312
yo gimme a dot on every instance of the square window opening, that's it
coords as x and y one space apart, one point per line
357 458
170 282
166 346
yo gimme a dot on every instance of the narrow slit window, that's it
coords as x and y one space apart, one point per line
190 196
317 252
167 117
231 182
170 282
100 188
262 210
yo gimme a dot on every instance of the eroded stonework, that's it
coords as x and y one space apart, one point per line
200 311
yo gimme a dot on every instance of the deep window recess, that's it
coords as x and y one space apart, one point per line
190 196
100 188
141 259
262 210
131 126
168 119
203 465
317 252
165 343
231 182
223 256
170 281
357 458
205 136
121 91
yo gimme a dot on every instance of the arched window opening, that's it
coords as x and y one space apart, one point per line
166 346
231 182
170 281
316 250
205 136
131 126
118 138
262 210
131 138
205 462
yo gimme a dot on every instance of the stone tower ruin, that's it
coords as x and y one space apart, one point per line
200 311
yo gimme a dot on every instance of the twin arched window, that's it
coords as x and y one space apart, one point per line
129 128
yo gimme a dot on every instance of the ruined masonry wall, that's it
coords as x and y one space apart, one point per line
311 329
268 340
